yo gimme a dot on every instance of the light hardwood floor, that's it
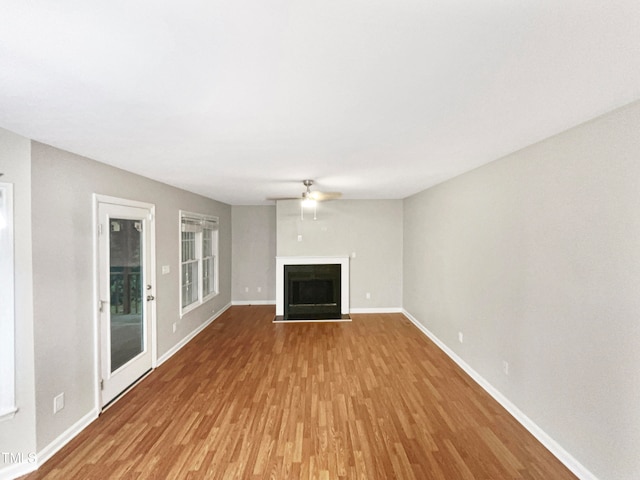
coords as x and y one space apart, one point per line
370 399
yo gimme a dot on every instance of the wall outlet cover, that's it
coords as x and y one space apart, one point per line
58 403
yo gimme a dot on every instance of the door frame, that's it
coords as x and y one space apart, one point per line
97 345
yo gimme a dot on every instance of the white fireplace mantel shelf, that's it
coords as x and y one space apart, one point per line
343 261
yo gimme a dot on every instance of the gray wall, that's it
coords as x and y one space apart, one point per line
62 190
533 257
536 259
18 435
254 253
370 228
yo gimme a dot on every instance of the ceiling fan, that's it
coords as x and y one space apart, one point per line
310 199
312 196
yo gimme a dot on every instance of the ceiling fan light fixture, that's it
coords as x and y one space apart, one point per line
308 202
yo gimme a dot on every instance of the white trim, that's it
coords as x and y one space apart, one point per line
108 199
190 337
25 467
122 201
554 447
300 260
9 414
253 302
69 434
96 299
15 470
153 279
377 310
8 404
202 298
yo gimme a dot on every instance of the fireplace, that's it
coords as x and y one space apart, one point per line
312 288
312 292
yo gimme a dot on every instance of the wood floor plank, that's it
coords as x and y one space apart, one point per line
249 399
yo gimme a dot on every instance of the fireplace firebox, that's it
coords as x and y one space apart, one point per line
312 292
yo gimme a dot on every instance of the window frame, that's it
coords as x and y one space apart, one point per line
210 256
7 303
197 223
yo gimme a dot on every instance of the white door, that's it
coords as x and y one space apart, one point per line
125 296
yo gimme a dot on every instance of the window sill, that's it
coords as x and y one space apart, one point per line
193 306
8 414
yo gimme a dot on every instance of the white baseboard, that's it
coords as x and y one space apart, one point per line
31 462
253 302
171 352
554 447
14 470
50 450
376 310
25 465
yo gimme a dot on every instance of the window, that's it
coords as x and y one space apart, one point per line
198 259
7 356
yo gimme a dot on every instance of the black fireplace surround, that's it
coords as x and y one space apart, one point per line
312 292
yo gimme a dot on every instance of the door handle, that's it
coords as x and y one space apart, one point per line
150 297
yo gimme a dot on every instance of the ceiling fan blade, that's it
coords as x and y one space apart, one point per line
322 196
311 195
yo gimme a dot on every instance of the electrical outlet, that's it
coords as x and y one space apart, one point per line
460 337
259 289
58 403
505 367
166 269
353 254
368 295
175 326
299 238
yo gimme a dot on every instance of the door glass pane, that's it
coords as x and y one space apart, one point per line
125 247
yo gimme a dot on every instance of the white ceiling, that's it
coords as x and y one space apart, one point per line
240 100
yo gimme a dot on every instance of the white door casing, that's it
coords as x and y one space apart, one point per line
125 317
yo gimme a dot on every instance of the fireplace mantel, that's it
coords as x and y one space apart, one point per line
298 260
